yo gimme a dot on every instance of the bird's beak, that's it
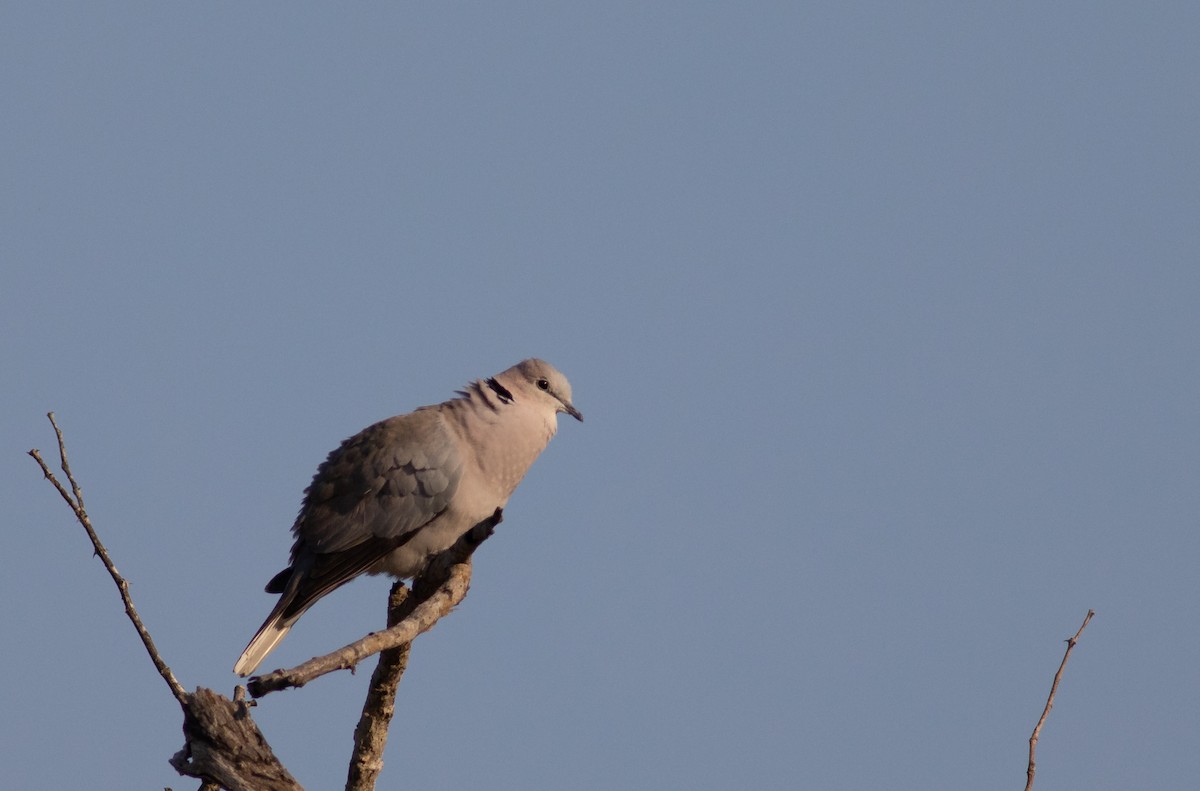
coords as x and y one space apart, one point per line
572 411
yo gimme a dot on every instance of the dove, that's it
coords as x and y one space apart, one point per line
404 489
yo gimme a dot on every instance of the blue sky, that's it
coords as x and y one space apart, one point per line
883 317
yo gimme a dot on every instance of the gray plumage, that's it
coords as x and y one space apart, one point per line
407 487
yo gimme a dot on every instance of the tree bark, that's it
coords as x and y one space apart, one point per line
222 745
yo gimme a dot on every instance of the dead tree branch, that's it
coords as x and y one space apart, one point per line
223 747
370 737
1037 729
74 499
436 592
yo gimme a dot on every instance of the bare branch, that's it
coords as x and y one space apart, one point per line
370 737
225 748
1037 729
74 499
62 457
437 591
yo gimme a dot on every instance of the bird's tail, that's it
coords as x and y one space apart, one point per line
299 587
310 577
268 636
287 610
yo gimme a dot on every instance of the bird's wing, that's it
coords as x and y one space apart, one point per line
380 486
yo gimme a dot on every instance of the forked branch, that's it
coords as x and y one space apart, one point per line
223 747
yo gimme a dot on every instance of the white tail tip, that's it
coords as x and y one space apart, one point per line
263 643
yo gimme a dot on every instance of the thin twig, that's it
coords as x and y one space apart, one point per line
222 745
74 499
437 591
1037 729
62 456
370 737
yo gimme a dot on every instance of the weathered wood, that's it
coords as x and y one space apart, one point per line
222 745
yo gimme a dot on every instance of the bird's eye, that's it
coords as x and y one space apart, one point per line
543 384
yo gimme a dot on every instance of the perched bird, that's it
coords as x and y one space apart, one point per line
406 488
